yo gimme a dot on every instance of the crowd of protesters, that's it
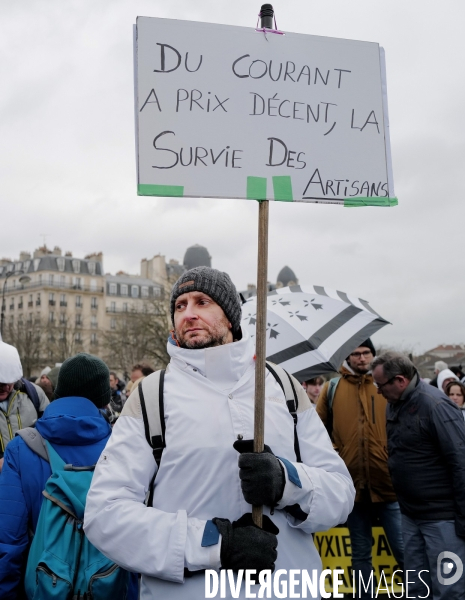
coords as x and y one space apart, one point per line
401 439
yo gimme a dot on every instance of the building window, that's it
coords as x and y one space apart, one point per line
77 283
63 300
93 321
61 263
112 323
93 339
76 266
26 266
156 291
20 303
36 263
38 299
125 307
145 291
62 335
93 302
77 338
78 301
113 289
18 266
51 299
30 301
78 320
93 285
112 306
91 267
40 278
135 291
51 317
62 280
51 279
62 318
12 303
124 289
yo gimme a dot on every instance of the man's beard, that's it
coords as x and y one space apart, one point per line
217 336
361 370
200 343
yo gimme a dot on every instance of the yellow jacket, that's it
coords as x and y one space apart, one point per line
359 433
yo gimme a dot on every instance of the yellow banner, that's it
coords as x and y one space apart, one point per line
336 553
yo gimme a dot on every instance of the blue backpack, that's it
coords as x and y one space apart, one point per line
62 563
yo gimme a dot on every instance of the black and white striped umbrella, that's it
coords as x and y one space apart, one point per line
310 329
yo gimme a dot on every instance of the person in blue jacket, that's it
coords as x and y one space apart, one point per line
78 431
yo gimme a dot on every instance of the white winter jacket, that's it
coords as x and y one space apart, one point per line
208 400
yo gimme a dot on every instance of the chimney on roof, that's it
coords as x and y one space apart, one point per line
42 251
97 256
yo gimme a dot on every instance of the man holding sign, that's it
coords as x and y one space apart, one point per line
200 517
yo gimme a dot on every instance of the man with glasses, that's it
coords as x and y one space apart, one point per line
426 445
355 416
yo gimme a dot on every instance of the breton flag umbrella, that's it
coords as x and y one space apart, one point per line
310 329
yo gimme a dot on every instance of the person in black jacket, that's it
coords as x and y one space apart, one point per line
426 447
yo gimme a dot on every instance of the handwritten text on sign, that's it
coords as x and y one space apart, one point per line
227 112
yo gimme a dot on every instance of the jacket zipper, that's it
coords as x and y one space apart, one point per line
7 417
19 419
373 409
10 430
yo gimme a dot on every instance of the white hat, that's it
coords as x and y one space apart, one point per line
45 371
10 364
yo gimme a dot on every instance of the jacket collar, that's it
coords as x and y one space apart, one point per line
223 365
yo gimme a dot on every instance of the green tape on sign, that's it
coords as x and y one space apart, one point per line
145 189
282 187
256 188
362 201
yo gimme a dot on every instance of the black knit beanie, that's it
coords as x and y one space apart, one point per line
86 376
368 344
218 286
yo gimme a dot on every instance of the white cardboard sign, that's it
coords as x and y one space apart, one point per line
229 112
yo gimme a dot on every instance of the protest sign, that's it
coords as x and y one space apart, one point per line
335 551
229 112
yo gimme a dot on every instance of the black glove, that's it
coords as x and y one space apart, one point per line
246 546
262 475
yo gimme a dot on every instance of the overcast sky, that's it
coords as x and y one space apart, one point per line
67 166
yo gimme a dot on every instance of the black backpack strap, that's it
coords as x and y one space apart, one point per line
332 385
292 402
32 394
158 442
153 415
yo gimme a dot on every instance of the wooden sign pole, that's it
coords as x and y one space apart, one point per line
260 349
266 20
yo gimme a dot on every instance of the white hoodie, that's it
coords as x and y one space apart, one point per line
443 375
208 400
